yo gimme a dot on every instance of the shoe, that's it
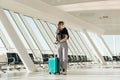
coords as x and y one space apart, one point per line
63 70
64 73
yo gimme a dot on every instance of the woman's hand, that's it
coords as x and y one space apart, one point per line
57 42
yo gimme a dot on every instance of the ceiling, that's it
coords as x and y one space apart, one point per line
103 13
108 20
63 2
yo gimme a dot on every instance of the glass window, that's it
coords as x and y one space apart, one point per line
113 42
98 43
16 28
89 45
82 45
109 40
72 44
26 30
37 33
46 36
117 44
74 40
53 27
48 31
2 47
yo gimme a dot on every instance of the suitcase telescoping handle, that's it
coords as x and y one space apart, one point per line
54 55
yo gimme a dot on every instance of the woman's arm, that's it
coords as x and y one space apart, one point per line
56 42
64 39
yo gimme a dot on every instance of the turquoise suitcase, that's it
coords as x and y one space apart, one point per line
54 65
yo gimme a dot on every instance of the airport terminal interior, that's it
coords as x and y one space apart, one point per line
27 39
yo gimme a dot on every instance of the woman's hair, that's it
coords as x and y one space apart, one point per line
60 23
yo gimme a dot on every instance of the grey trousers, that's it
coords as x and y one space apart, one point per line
63 54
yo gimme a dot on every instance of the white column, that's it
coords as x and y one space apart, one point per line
96 49
5 41
28 63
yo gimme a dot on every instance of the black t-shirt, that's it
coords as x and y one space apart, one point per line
61 34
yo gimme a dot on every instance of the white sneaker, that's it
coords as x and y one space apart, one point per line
64 73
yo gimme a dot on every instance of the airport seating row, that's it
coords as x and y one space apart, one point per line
71 58
107 58
116 58
14 59
113 58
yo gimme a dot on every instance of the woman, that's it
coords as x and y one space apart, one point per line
61 40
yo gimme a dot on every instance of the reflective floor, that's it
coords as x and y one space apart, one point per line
96 73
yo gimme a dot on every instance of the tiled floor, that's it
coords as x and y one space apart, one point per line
75 74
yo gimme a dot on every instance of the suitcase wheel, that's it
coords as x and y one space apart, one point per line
59 73
49 72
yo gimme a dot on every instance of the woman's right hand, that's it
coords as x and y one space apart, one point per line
56 42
